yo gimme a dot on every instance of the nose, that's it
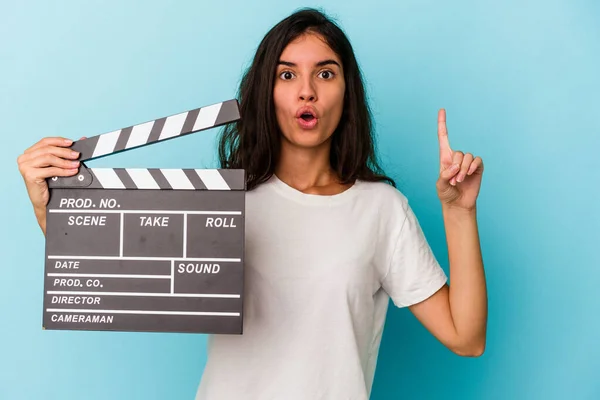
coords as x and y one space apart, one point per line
307 91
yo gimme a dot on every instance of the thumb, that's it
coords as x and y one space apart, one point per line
447 174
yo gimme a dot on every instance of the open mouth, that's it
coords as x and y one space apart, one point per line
307 117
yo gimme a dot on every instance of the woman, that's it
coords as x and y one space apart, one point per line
329 239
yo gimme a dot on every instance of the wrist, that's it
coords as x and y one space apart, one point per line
40 215
449 209
39 211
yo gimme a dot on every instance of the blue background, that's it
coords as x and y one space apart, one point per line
520 84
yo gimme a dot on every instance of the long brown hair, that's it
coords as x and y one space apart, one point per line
253 143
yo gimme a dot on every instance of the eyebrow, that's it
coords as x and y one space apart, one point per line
319 64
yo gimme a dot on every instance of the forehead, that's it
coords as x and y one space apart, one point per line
308 48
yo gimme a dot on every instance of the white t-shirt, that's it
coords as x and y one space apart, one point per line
319 274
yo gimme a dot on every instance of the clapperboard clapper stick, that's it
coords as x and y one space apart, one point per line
146 249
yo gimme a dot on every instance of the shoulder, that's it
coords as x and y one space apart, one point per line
387 204
382 194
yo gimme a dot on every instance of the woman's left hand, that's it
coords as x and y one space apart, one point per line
460 174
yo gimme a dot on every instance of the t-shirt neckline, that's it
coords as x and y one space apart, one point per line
315 199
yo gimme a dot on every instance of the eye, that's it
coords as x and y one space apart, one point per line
286 75
326 74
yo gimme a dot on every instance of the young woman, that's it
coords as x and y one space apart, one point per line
329 239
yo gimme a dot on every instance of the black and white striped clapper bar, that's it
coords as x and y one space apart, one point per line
146 249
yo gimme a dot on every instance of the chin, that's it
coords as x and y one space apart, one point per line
307 139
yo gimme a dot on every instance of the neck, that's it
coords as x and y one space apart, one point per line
305 168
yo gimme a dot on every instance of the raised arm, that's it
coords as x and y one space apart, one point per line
457 314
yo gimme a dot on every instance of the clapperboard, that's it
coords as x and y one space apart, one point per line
146 249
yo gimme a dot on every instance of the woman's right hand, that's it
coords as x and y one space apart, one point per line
45 159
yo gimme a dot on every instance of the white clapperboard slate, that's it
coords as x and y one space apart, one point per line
146 249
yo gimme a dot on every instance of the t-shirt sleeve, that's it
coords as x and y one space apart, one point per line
414 273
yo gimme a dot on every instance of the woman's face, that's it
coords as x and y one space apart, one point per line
309 91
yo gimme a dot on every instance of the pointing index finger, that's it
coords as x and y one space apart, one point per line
443 132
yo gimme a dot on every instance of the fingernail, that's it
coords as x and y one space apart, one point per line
460 178
74 153
68 141
454 167
74 163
